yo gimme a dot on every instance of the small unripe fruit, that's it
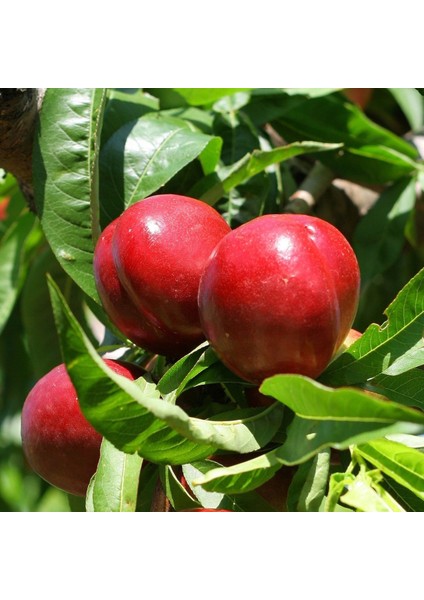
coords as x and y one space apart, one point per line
279 295
60 445
148 265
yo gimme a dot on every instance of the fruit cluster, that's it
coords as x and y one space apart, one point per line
276 295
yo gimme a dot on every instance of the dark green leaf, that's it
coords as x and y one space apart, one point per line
371 153
177 373
241 477
379 238
123 106
405 497
37 315
143 155
406 388
178 496
12 264
65 178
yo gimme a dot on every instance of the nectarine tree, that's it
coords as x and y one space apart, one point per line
257 255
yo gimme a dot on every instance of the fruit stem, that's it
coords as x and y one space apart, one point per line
314 185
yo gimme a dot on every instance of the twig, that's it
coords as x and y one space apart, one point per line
313 187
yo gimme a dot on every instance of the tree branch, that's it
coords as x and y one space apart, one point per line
19 108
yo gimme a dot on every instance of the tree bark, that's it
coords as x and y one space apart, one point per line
19 108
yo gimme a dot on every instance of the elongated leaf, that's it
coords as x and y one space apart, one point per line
312 400
123 106
406 388
257 162
309 484
134 417
404 465
371 153
178 496
65 178
36 310
241 477
115 484
405 497
144 154
379 237
412 105
204 96
305 438
205 498
394 348
12 253
177 373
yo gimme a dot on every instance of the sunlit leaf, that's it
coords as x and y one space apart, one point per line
115 484
65 177
392 349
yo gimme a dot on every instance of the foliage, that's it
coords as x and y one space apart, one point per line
353 440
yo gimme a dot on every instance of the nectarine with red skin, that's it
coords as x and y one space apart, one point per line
59 444
148 266
279 295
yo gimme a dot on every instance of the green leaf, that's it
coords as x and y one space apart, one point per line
199 367
115 484
379 237
404 465
306 437
248 501
206 96
175 376
205 498
123 106
178 496
312 400
371 154
36 310
143 155
258 161
406 388
405 497
412 105
241 477
309 484
134 418
393 348
65 178
12 264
